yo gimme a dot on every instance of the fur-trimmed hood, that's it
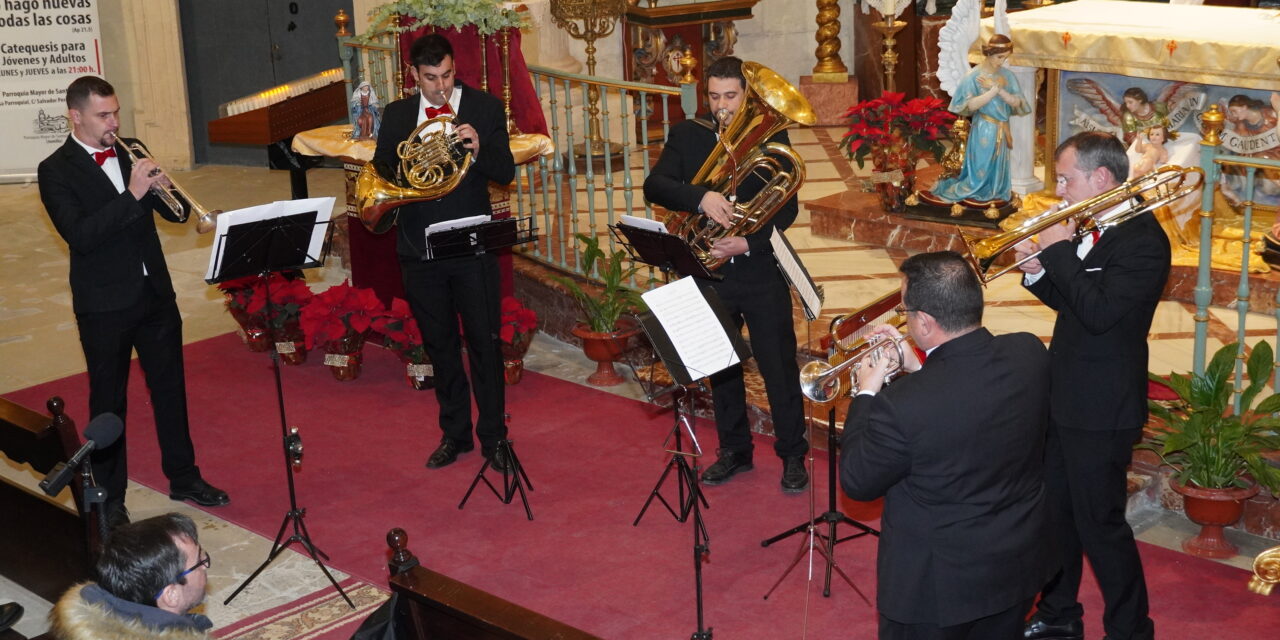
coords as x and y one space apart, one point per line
87 612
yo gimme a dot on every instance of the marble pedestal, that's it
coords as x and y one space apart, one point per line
830 99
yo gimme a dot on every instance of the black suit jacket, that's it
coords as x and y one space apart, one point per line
668 185
111 235
1105 304
471 197
956 449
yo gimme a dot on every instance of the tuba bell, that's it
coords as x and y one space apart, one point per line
1110 208
770 105
432 164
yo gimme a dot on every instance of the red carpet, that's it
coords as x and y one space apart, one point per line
592 458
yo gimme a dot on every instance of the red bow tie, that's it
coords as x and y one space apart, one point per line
1096 235
101 156
433 112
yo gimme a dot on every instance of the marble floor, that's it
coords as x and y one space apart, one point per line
38 340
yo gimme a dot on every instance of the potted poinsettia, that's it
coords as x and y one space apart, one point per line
1215 450
338 319
277 318
238 295
400 333
518 326
896 133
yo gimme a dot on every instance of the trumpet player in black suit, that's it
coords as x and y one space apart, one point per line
101 202
443 290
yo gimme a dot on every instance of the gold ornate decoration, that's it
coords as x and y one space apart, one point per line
1266 571
342 21
722 37
830 67
888 29
598 18
687 64
650 43
1212 122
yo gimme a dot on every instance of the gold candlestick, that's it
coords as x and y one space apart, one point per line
889 28
598 20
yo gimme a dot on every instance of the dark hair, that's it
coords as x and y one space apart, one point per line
999 43
1138 94
429 50
80 88
944 286
1097 149
1241 100
140 559
727 67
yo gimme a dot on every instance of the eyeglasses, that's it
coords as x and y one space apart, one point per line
902 310
205 562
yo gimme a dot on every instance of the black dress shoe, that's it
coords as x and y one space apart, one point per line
498 458
728 464
115 516
447 453
10 614
199 492
794 476
1038 629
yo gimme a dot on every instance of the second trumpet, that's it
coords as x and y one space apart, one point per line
175 198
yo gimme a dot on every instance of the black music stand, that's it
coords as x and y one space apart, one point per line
670 253
684 376
263 247
474 240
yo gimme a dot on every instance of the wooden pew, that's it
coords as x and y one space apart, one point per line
46 546
437 606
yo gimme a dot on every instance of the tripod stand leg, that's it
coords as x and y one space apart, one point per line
804 544
657 493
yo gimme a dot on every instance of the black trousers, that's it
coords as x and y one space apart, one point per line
754 293
1085 478
440 292
154 328
1005 625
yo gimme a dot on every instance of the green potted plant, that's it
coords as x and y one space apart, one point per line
1217 453
605 332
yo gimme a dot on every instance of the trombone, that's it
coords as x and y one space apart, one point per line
174 197
1110 208
823 381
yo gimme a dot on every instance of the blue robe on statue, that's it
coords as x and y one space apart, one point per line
985 174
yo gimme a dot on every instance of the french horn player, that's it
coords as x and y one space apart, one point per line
731 172
442 290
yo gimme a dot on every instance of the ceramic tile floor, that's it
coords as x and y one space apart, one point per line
38 340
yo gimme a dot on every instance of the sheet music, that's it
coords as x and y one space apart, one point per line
449 225
642 223
695 331
810 295
323 208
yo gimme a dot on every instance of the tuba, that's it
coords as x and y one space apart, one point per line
770 105
1110 208
432 164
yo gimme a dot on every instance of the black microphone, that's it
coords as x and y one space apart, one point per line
102 432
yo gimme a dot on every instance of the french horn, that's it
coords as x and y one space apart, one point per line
432 164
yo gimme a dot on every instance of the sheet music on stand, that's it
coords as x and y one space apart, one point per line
691 331
811 295
287 234
476 235
649 242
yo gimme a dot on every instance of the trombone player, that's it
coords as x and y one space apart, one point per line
956 449
753 289
1105 289
101 201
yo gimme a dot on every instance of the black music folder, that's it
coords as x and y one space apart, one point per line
652 245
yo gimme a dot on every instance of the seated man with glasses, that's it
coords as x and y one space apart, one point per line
150 574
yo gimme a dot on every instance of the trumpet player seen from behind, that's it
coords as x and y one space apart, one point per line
101 202
753 289
442 290
1105 288
956 449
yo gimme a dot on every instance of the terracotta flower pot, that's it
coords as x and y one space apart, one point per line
1212 509
604 349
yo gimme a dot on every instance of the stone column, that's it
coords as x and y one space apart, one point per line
1022 163
143 60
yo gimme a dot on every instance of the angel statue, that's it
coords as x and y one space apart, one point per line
366 114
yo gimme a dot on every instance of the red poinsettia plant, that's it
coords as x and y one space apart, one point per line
339 312
897 132
517 327
400 333
246 298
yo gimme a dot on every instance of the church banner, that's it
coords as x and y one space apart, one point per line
44 45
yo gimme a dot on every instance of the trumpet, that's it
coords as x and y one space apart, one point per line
1160 187
822 381
174 197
